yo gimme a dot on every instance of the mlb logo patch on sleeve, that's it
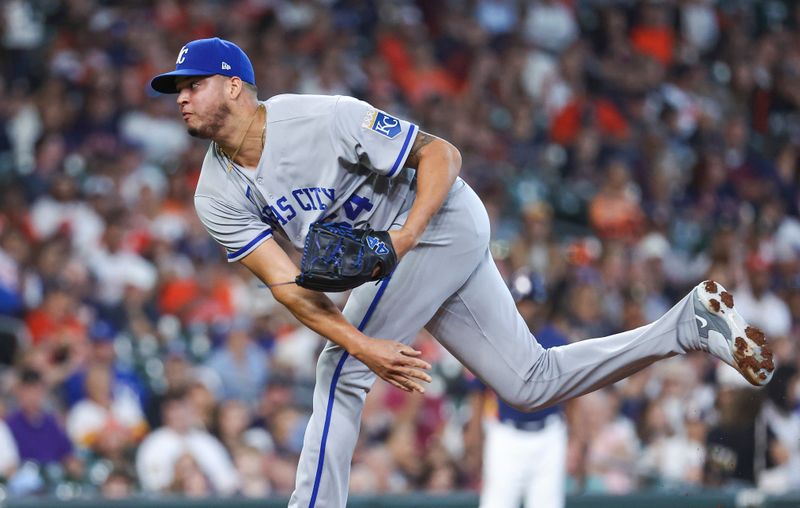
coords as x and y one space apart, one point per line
382 123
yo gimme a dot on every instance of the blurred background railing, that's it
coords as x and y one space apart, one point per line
705 499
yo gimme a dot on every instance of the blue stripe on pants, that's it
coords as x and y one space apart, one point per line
332 393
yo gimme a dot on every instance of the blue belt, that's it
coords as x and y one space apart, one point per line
532 425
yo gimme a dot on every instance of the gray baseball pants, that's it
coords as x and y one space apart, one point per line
450 285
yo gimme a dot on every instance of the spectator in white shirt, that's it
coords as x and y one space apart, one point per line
758 304
107 415
64 211
117 266
161 450
9 456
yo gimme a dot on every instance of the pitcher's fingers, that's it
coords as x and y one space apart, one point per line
417 363
396 384
409 351
409 383
414 373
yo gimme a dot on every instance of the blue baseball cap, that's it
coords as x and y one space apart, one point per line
205 57
527 285
101 331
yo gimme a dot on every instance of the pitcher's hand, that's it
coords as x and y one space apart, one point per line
394 362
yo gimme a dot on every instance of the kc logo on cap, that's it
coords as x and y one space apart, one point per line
181 56
206 57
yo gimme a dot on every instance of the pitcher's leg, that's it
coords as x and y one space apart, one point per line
704 320
342 383
396 310
581 367
481 327
347 396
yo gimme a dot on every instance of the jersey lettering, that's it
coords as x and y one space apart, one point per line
297 193
267 215
355 205
322 205
278 216
329 193
309 198
284 206
317 183
307 192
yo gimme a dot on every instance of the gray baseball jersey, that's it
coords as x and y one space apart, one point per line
325 158
336 158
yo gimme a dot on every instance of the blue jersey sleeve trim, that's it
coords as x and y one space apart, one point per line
255 242
403 155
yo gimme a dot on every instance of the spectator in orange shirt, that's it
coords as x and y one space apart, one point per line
428 78
54 323
584 111
615 212
653 36
416 70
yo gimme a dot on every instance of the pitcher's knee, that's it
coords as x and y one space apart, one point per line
350 376
526 401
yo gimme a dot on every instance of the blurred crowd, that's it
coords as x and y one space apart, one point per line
626 150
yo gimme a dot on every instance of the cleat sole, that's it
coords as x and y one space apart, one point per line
753 357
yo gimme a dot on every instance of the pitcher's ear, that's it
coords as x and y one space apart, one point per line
235 87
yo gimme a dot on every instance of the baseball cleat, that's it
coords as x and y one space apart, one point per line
729 337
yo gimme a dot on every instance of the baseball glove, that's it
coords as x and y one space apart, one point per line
338 257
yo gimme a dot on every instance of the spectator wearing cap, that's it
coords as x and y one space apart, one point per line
512 437
102 336
109 419
241 365
39 435
756 301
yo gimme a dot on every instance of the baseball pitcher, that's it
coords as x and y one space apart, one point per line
326 167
